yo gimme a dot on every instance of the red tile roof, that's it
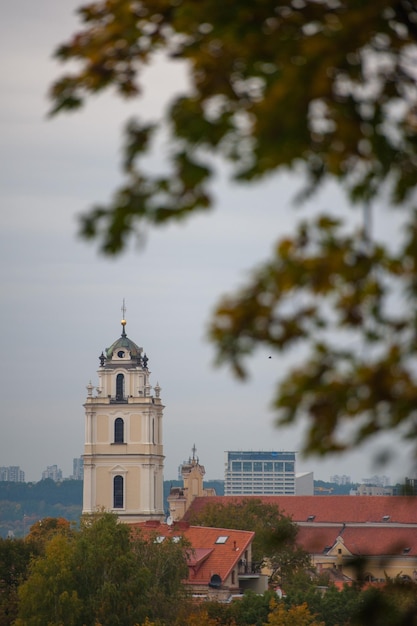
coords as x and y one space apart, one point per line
360 540
380 541
208 557
315 539
330 509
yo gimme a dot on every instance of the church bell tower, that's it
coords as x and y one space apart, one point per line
123 452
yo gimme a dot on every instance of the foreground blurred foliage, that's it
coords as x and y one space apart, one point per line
326 89
393 603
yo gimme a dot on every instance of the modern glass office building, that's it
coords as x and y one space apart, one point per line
259 473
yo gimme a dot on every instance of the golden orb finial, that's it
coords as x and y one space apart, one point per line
123 322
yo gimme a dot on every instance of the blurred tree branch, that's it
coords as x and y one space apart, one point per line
326 88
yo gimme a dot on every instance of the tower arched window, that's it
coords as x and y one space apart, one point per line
120 387
119 430
118 492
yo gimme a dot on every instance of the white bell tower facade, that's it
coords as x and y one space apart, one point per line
123 451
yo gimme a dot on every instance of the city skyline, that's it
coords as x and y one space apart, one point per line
77 465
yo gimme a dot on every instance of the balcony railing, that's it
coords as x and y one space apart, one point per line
248 568
118 399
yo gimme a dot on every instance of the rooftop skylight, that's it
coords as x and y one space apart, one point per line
222 539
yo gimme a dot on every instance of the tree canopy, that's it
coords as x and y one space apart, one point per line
300 615
274 543
43 530
325 88
103 574
106 574
15 556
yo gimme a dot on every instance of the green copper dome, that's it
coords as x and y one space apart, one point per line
124 343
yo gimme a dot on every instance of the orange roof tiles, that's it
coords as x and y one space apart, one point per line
208 557
360 540
380 541
315 539
330 509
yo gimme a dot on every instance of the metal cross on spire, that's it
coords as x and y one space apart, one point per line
123 309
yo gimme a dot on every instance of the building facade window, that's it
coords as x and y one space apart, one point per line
120 387
118 492
119 428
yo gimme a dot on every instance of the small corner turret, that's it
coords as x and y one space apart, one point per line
180 499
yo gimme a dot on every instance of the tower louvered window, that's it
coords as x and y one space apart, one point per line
118 492
120 387
118 430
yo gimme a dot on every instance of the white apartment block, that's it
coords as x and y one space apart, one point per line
53 472
12 474
340 479
377 481
259 473
78 469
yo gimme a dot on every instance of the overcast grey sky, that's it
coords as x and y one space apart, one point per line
61 301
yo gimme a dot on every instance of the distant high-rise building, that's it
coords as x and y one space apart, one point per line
410 487
372 490
53 472
340 479
259 473
12 474
78 469
377 481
